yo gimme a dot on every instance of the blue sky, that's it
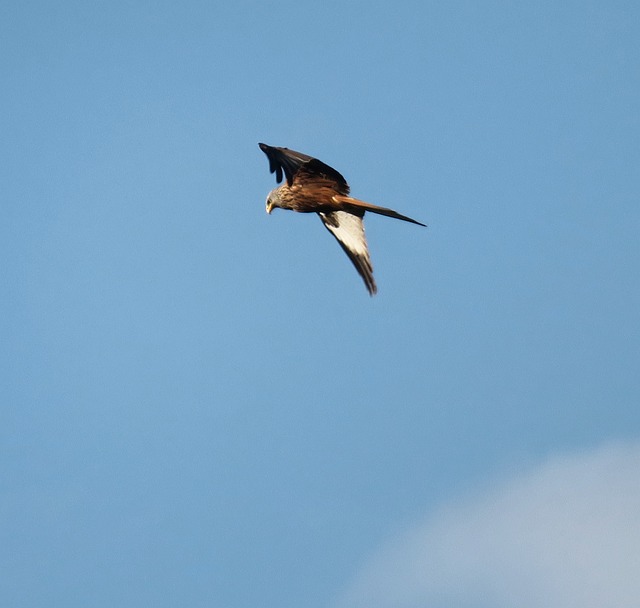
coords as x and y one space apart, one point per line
202 406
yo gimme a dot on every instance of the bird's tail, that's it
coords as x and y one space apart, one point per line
354 202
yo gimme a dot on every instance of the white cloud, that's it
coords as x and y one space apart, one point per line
564 535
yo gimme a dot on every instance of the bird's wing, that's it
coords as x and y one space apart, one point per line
348 229
350 202
296 165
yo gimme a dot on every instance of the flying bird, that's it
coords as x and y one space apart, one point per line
313 187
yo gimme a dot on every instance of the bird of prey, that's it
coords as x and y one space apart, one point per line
313 187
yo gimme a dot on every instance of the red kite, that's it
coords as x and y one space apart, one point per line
312 186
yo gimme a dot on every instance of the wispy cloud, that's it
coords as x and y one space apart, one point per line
566 534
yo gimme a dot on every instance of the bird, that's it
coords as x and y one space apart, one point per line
313 187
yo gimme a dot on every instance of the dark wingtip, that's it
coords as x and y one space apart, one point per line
274 167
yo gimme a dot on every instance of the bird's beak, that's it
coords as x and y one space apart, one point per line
269 207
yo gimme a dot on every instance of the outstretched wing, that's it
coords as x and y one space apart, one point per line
294 164
349 202
348 229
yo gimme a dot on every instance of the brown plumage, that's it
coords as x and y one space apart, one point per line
312 186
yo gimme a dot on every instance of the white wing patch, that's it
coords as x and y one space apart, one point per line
348 229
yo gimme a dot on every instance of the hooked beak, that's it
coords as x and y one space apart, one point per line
269 207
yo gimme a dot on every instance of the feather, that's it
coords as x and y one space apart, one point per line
354 202
348 229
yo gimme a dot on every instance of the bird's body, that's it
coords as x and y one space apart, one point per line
300 199
313 187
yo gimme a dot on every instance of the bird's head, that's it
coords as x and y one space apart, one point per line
273 200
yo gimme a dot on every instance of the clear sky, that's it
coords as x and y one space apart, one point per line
201 405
